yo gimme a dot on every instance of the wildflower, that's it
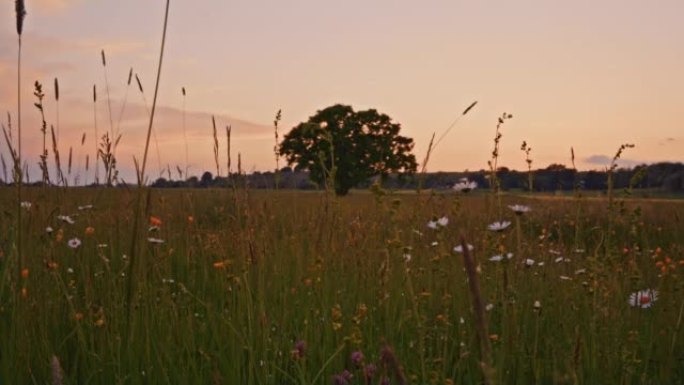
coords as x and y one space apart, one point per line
154 221
155 240
500 257
25 273
49 230
74 243
499 226
102 246
299 350
643 298
24 292
529 262
341 379
56 370
464 185
407 257
219 265
436 223
153 228
459 248
66 219
580 271
100 322
489 307
357 358
60 235
26 205
90 230
537 305
555 252
369 372
565 278
191 219
520 209
540 264
435 243
85 207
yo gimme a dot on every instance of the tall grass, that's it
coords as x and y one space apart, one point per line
142 203
239 281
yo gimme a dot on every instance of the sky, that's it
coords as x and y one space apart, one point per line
586 74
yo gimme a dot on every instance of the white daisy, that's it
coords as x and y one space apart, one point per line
436 223
565 278
643 298
74 243
537 305
529 262
85 207
500 257
489 307
465 185
499 226
459 248
520 209
407 257
155 240
26 205
49 230
66 218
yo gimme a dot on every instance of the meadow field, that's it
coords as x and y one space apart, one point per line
237 286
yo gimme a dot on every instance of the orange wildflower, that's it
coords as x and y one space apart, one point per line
100 322
219 265
90 230
191 219
154 221
78 316
24 292
25 273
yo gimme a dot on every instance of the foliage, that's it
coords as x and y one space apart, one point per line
348 147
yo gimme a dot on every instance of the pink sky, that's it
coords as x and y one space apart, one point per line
586 74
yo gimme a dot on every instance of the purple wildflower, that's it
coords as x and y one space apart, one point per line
357 358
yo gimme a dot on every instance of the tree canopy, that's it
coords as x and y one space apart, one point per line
346 147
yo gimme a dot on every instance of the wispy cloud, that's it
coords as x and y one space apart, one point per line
603 160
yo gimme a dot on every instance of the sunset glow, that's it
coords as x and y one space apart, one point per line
586 74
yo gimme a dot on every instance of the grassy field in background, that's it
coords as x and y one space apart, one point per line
266 287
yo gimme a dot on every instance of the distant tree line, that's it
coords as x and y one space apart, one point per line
664 176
